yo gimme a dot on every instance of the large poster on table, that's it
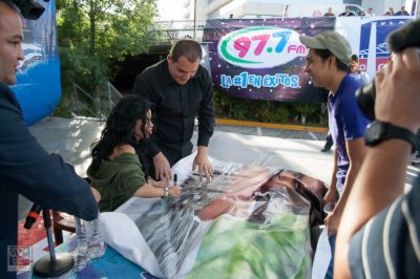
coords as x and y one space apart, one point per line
246 222
38 87
263 58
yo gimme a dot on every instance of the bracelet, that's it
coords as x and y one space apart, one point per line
166 194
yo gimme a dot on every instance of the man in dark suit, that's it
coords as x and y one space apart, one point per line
25 167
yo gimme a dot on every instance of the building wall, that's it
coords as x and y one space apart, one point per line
380 7
201 10
242 8
354 2
255 8
214 5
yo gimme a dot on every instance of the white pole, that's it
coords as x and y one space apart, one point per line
195 19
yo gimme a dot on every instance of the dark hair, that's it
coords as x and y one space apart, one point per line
355 58
325 53
119 127
188 48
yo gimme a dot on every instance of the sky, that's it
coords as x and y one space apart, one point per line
169 10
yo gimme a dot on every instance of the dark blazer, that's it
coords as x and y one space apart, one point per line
27 169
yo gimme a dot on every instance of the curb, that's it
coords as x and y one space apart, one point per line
233 122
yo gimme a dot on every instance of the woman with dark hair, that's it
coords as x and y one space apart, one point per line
116 171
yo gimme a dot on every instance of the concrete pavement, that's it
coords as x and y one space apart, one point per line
277 148
297 150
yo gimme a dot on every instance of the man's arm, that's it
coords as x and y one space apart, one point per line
356 152
331 195
206 113
202 162
206 127
380 181
29 170
382 176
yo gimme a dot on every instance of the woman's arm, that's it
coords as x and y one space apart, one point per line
152 188
149 191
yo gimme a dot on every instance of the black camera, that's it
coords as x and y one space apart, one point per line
405 37
29 9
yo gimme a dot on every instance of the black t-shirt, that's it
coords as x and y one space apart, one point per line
175 108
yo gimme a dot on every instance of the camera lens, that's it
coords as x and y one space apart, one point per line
365 97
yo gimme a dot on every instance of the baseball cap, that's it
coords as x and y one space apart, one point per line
331 40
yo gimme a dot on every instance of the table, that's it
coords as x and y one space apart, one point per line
111 266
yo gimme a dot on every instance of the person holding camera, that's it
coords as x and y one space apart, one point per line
381 235
328 65
25 167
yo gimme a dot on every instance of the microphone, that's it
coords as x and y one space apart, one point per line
32 216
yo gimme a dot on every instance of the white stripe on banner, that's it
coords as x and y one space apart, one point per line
371 62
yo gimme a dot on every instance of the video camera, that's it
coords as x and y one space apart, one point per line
29 9
405 37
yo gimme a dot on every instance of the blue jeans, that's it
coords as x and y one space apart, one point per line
330 271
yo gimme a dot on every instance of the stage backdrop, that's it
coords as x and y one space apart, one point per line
263 58
38 87
249 58
373 53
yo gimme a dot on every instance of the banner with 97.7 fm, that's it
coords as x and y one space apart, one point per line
263 58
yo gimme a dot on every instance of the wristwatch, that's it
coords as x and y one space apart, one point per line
379 131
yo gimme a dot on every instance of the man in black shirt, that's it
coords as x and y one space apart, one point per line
347 12
402 12
179 89
330 12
